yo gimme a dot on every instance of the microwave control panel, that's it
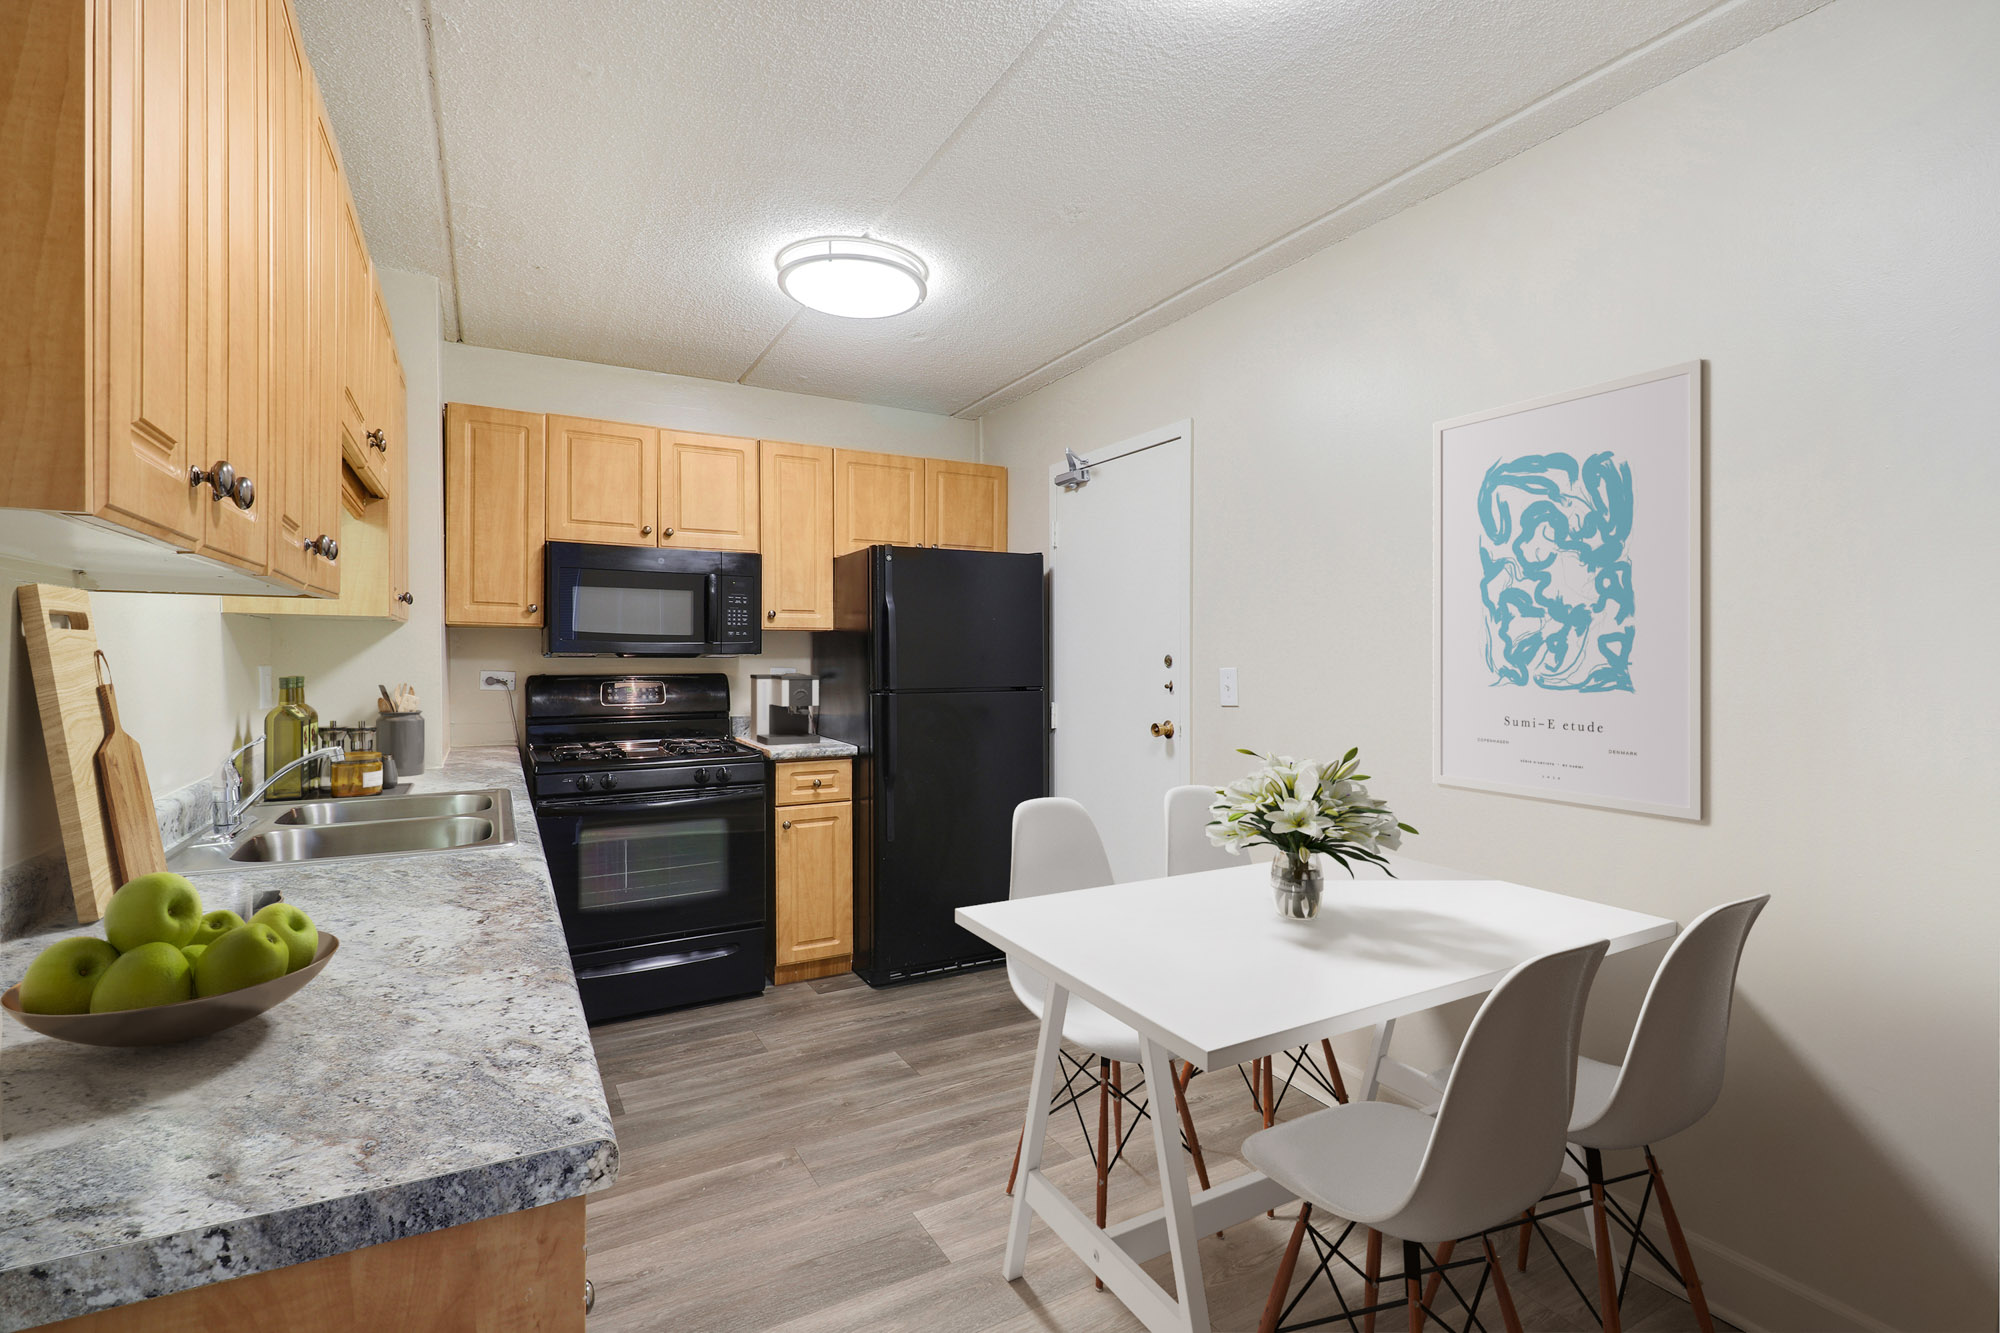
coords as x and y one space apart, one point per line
739 610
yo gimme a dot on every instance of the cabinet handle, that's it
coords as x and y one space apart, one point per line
377 440
406 599
646 531
325 546
244 492
589 1295
223 482
815 784
770 615
533 608
787 824
668 533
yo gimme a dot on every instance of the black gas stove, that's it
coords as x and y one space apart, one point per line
654 823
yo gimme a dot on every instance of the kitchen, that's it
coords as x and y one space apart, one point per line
715 1023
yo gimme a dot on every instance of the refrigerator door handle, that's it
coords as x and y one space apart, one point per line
886 768
889 620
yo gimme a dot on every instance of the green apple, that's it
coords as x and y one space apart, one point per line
249 955
193 952
160 907
62 977
214 925
295 928
155 973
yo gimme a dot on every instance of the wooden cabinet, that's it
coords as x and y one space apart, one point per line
708 492
805 781
603 483
796 481
494 465
965 505
877 499
813 876
290 495
326 374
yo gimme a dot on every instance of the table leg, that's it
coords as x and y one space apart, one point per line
1040 1090
1371 1076
1181 1234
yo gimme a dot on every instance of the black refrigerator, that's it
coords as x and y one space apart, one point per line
937 669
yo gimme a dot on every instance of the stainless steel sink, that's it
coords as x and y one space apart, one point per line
292 833
308 843
368 809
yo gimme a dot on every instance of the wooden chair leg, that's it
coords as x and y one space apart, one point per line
1506 1298
1275 1306
1607 1269
1527 1234
1413 1289
1117 1101
1103 1142
1333 1072
1372 1269
1015 1169
1437 1278
1682 1255
1187 1128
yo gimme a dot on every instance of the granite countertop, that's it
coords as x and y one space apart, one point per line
785 752
437 1072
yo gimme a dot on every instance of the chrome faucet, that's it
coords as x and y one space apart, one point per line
229 807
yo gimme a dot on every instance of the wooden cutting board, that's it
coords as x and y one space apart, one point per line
62 654
128 797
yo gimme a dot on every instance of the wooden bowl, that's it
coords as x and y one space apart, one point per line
165 1024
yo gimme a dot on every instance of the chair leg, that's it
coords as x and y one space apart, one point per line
1527 1234
1103 1142
1437 1278
1333 1072
1117 1101
1682 1255
1607 1273
1270 1107
1275 1306
1015 1169
1505 1297
1372 1269
1413 1289
1187 1128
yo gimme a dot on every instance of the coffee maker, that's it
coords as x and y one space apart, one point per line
785 707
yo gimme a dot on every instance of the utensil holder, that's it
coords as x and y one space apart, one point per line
401 737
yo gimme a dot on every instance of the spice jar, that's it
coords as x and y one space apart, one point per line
358 773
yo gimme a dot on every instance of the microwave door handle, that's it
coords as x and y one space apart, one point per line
714 610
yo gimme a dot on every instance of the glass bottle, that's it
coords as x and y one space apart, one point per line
290 730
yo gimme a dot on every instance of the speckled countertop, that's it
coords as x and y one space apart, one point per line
785 752
437 1072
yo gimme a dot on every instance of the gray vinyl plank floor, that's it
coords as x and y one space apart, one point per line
826 1157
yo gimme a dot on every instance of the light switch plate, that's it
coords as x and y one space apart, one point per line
496 680
1229 687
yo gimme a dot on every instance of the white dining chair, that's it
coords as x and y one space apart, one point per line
1057 850
1493 1149
1670 1078
1188 852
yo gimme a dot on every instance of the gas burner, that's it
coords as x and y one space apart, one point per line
652 748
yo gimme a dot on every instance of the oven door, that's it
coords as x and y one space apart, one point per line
628 869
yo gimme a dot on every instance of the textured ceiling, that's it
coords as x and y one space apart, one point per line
608 180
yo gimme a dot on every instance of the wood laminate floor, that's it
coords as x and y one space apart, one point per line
827 1157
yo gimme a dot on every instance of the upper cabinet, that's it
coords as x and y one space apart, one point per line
797 503
965 505
189 331
603 482
878 499
495 462
708 492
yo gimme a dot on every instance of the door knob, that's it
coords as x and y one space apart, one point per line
1164 729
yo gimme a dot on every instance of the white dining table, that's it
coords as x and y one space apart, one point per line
1203 968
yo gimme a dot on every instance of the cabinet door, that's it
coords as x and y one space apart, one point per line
357 337
285 493
325 325
151 321
603 482
379 441
965 506
814 883
877 499
708 492
397 425
494 464
796 482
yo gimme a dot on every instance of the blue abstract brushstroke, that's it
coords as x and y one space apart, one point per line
1554 577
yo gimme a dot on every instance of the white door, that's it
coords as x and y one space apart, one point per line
1119 585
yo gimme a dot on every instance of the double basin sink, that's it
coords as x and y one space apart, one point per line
290 832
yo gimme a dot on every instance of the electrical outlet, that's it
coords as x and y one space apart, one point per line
1229 687
496 680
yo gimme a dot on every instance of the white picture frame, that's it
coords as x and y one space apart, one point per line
1567 596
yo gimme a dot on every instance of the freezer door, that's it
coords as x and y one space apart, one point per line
957 620
949 770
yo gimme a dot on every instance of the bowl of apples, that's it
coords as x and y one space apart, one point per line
166 971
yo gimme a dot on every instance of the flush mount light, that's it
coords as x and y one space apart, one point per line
850 276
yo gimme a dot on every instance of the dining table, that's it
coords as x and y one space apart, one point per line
1203 968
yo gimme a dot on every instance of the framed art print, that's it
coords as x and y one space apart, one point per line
1567 596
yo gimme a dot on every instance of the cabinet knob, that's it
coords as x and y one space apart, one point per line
771 615
378 440
223 482
787 824
668 533
533 607
646 531
815 783
324 546
406 599
244 492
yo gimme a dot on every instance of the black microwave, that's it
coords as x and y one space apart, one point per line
645 601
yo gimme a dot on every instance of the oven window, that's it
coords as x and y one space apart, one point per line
651 863
617 604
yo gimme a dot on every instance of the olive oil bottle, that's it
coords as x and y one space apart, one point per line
290 730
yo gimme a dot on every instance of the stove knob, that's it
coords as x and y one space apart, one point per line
606 781
581 782
700 777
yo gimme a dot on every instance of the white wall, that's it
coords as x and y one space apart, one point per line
1813 214
527 383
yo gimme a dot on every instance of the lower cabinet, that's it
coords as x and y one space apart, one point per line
812 915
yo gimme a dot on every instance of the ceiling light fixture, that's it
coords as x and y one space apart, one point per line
852 277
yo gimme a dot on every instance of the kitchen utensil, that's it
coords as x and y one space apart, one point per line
62 647
165 1024
401 737
128 797
388 704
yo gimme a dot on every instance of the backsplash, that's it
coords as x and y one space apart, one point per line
35 894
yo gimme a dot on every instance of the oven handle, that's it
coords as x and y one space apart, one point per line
656 962
602 805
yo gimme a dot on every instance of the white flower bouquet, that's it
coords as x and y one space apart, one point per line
1302 806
